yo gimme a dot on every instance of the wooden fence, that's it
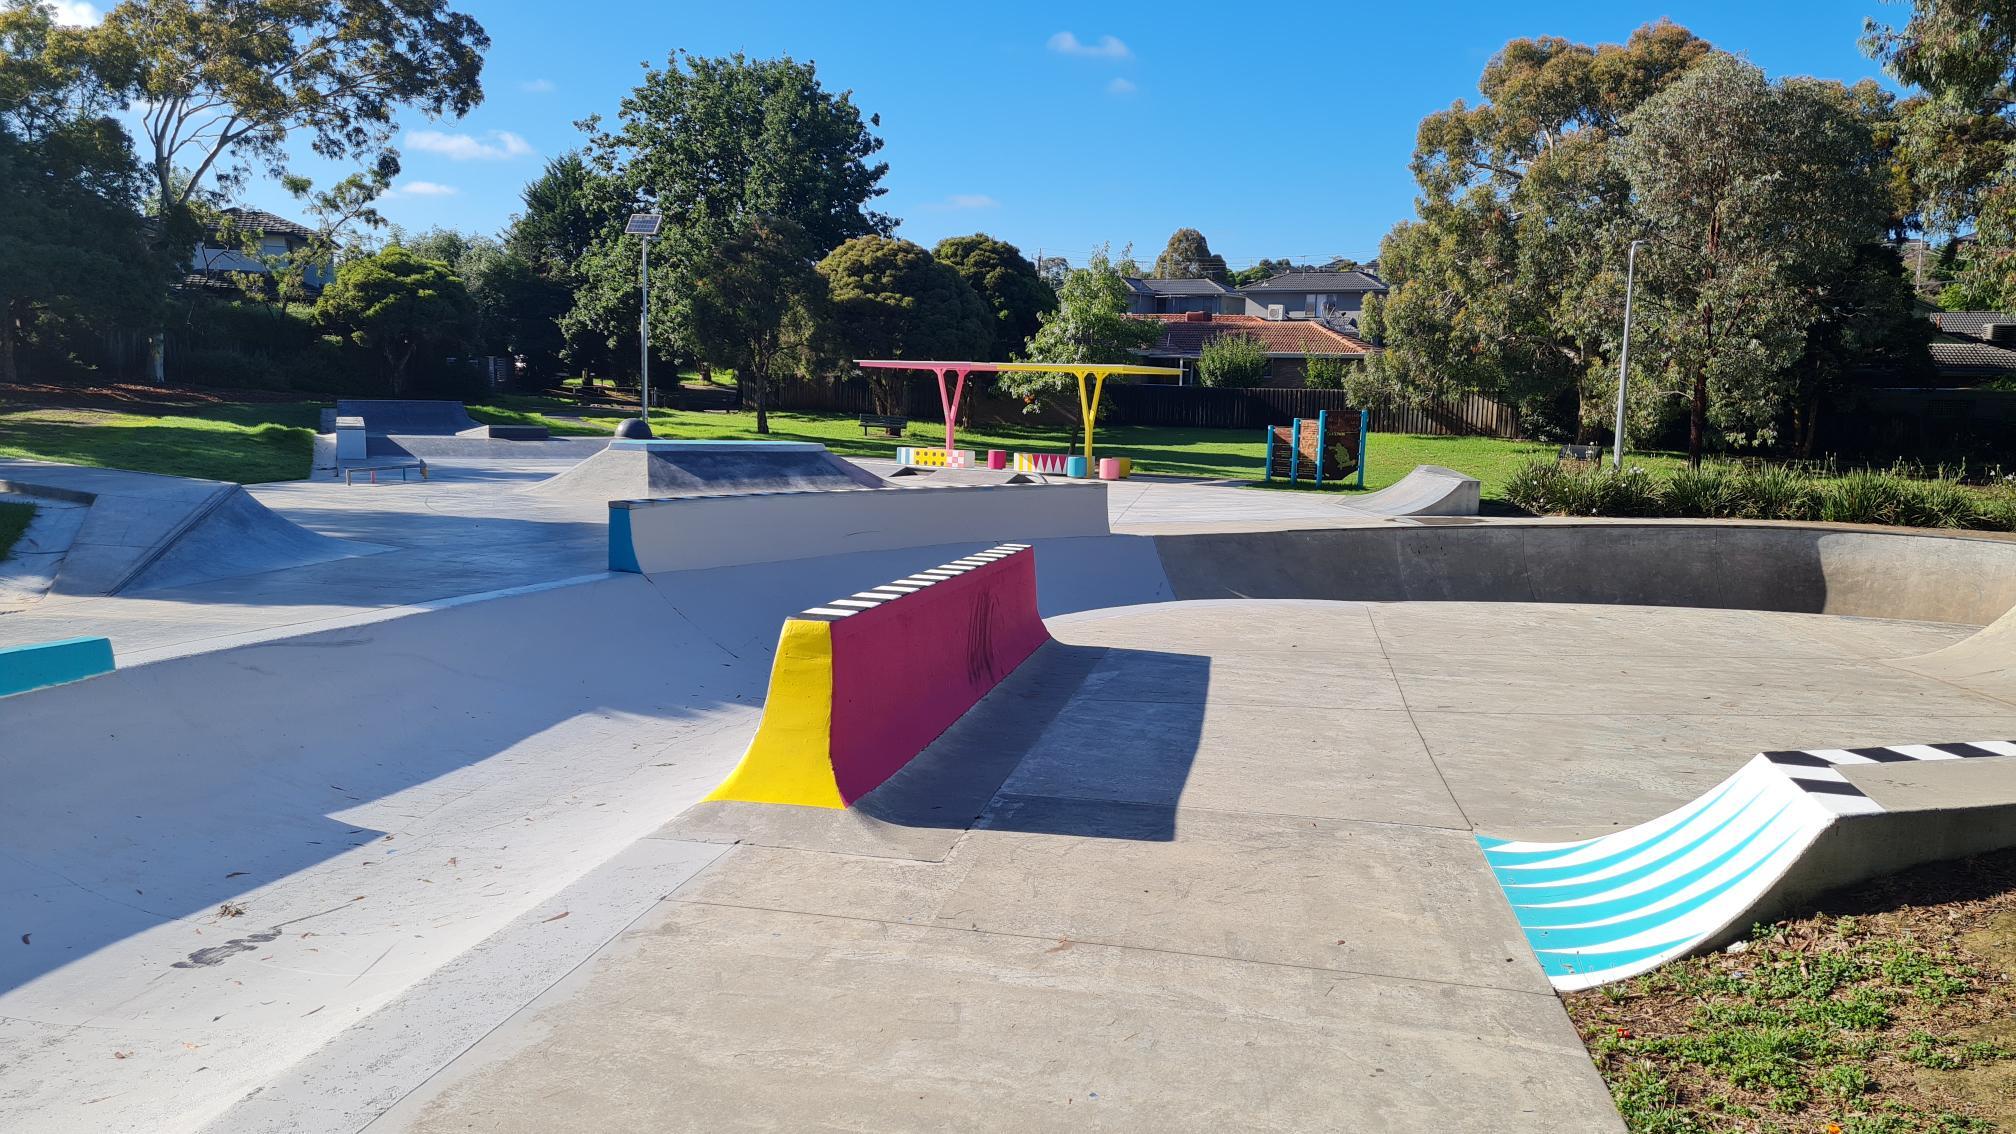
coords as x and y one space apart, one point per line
1193 407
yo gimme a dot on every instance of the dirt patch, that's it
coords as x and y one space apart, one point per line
131 397
1889 1009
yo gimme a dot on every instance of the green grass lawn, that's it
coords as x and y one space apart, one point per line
1217 453
13 521
248 443
251 443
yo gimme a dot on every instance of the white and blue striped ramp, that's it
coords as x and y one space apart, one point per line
1603 909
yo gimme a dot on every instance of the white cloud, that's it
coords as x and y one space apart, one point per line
537 86
955 202
1120 87
76 13
426 189
497 145
1108 47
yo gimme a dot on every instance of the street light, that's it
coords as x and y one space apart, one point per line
643 225
1624 355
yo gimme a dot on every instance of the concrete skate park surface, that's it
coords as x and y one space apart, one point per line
1204 862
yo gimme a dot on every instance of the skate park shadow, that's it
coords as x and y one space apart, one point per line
1095 742
272 776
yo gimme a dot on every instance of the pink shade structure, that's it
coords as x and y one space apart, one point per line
1091 384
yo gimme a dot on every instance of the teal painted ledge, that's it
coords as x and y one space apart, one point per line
43 664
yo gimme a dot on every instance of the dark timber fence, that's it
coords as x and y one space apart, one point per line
1194 407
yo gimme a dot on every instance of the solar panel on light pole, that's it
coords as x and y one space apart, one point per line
645 225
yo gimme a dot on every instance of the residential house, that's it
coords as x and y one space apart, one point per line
1290 343
1974 348
1333 296
1170 297
218 256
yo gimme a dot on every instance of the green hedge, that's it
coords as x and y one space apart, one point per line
1731 492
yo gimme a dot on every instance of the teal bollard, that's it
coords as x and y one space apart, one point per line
1076 468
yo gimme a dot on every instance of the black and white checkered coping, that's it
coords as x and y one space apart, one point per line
869 599
1814 769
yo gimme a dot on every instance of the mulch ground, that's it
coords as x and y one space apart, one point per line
129 397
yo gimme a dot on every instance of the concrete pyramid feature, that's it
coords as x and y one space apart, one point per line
142 531
1787 826
649 470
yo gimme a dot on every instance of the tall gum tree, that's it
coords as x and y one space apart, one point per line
1752 195
1504 284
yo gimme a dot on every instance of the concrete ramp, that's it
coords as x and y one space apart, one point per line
141 531
1985 663
647 470
1430 490
412 416
1784 828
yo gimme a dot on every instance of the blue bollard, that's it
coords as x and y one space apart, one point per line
1077 467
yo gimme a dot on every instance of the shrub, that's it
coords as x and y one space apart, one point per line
1537 487
1325 372
1709 492
1863 498
1233 361
1776 493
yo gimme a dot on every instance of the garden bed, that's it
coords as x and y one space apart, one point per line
1890 1009
1893 497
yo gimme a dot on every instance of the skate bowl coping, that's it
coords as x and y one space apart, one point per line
688 533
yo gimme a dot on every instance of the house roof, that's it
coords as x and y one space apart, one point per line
1308 282
1972 323
1147 286
269 223
1959 356
1184 335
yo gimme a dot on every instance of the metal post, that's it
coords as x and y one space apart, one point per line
1624 355
644 337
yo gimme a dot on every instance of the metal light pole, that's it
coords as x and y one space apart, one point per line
1624 355
644 225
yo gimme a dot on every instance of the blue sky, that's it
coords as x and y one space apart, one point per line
1062 126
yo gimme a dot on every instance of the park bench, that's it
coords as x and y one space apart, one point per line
1579 457
401 467
889 424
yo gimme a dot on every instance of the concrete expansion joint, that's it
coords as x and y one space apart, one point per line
1095 943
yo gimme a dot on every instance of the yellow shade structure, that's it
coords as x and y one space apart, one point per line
1091 383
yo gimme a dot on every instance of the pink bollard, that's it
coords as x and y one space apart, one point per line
1109 468
997 458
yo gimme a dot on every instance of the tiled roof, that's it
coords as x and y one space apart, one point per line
1960 356
1147 286
1315 282
1971 323
1184 335
268 223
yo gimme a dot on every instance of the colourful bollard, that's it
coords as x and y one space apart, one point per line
1109 468
997 458
1076 468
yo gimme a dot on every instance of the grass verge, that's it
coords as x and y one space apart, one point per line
244 442
13 521
1889 1010
1209 453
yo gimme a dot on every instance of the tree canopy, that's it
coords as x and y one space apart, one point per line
397 302
1189 257
756 305
1090 324
1505 284
1007 283
1753 196
72 244
222 85
712 143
